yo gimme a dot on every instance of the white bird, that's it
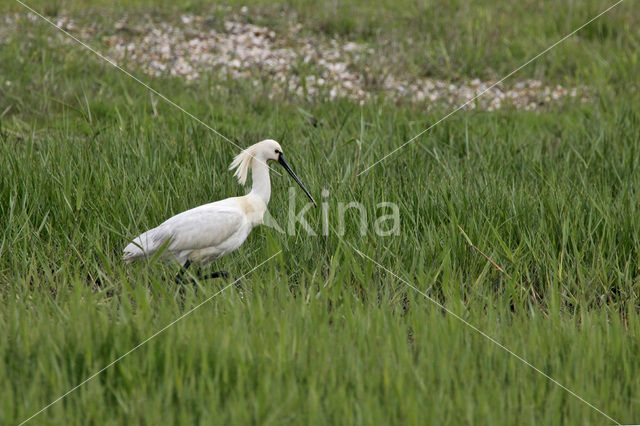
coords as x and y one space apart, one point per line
208 232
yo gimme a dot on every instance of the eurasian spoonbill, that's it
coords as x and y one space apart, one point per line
208 232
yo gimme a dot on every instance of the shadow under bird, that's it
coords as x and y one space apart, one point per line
208 232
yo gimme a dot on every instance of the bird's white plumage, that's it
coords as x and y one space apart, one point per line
203 233
242 163
210 231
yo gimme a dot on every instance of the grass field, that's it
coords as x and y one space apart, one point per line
319 334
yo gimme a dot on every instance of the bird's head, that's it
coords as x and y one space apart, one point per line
263 152
268 150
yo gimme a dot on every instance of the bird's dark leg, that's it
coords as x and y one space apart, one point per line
179 277
199 275
217 274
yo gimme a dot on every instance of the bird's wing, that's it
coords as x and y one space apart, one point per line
205 226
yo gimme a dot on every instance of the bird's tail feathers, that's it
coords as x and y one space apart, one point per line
132 252
144 245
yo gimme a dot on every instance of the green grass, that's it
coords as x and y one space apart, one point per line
319 334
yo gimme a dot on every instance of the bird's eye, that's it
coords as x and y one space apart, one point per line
277 151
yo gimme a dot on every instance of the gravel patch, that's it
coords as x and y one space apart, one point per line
287 64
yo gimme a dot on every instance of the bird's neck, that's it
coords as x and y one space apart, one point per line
261 182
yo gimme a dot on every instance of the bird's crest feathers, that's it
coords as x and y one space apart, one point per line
242 163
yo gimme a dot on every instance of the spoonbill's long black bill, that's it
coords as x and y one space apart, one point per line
284 164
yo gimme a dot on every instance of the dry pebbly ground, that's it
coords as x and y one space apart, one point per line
287 63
